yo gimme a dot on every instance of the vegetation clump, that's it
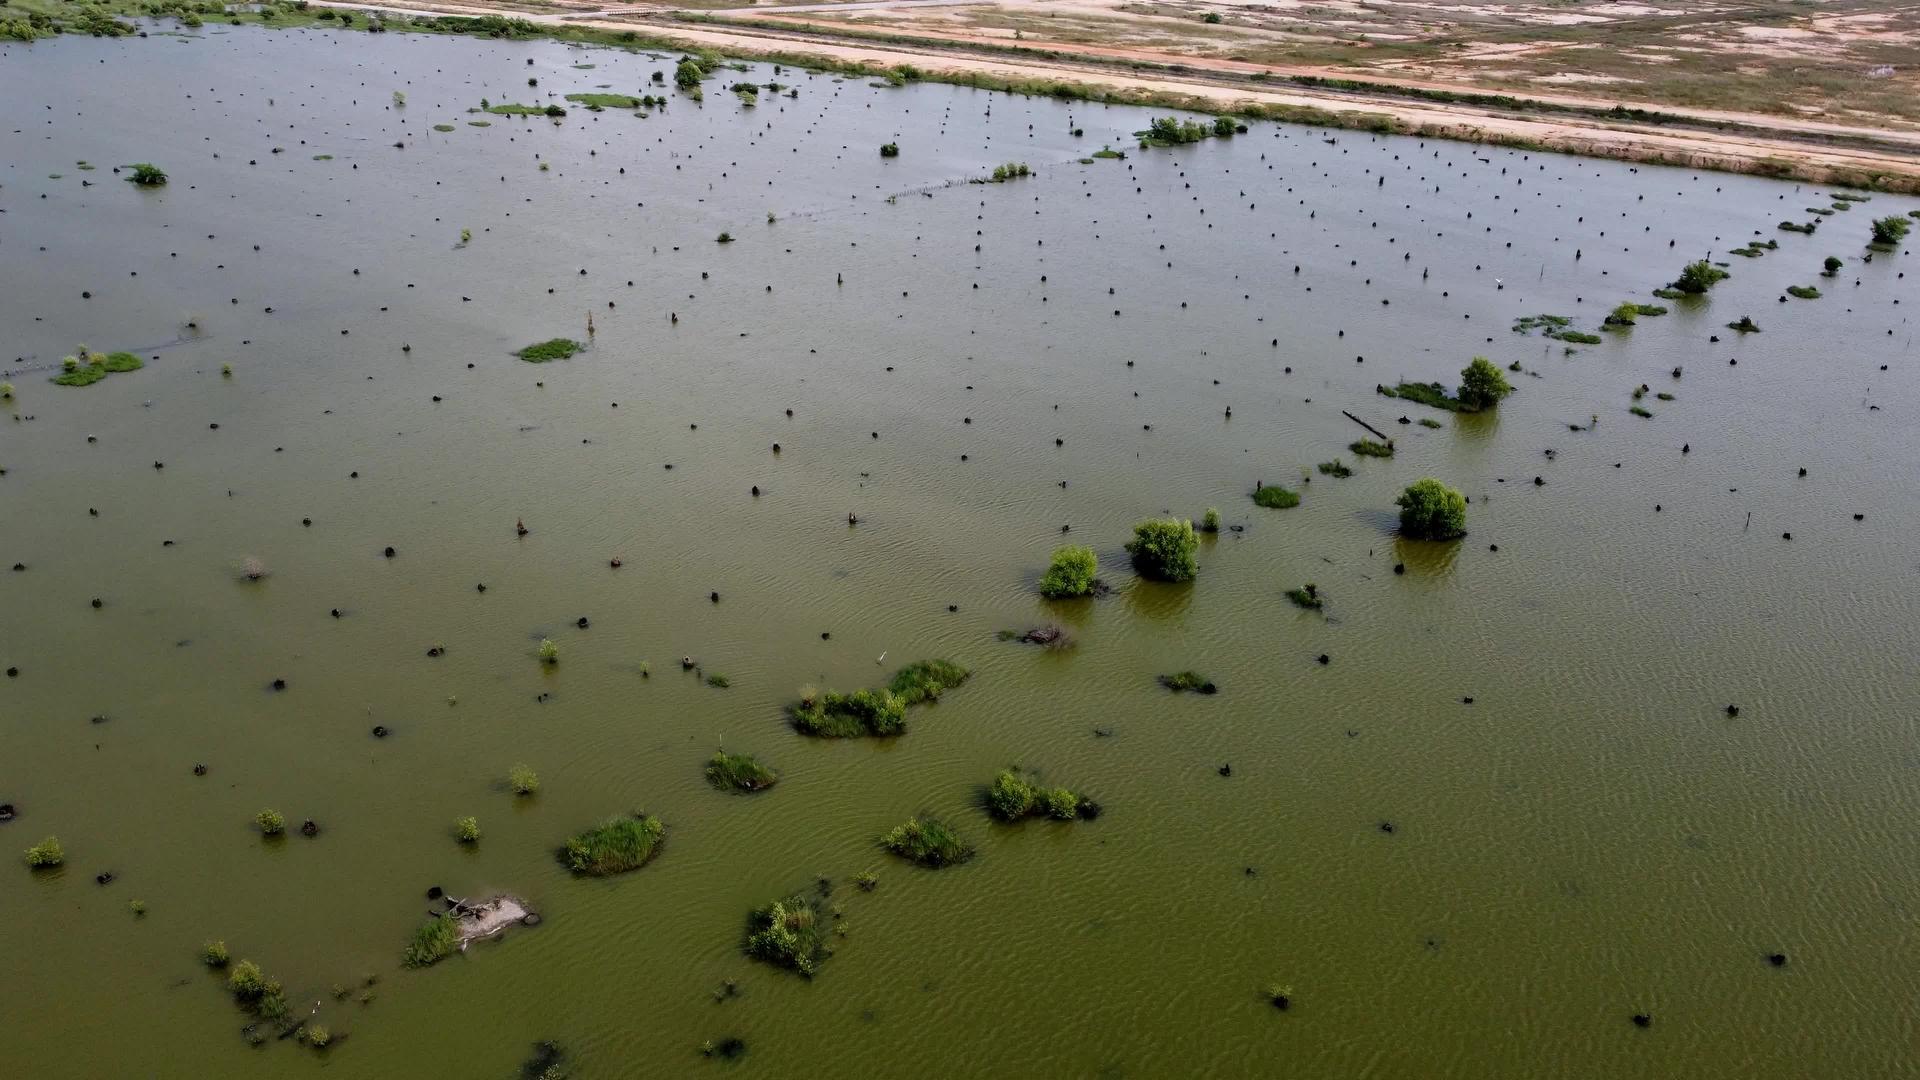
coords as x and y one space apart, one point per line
614 847
1832 266
1803 292
467 830
1336 468
739 772
1182 681
1745 325
848 716
46 854
927 841
1482 386
1430 510
1162 549
433 942
1889 231
1370 448
1276 498
1210 521
889 149
1697 277
1009 171
1014 795
271 822
553 349
1071 573
147 174
926 680
1307 597
1433 395
522 780
214 954
789 933
606 101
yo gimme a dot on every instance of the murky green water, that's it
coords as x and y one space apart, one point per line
1591 838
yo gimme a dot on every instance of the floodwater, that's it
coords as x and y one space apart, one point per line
1591 838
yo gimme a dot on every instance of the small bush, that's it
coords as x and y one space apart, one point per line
926 680
847 716
739 772
551 349
615 847
522 780
889 149
724 238
1163 549
245 982
789 933
6 391
1698 277
1803 292
1832 265
1014 795
1430 510
1482 385
549 652
147 174
318 1036
1210 521
46 854
1307 596
1275 498
1182 681
1071 573
1890 230
1336 468
467 830
718 681
1745 325
271 822
214 954
927 841
432 942
1370 448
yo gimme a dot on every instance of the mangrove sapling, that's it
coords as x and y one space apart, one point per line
1832 266
1307 597
724 238
549 652
739 772
1745 325
926 680
1071 573
1183 681
616 846
552 349
467 830
1482 385
271 822
522 780
432 942
1697 277
214 954
246 983
789 933
1336 468
1623 315
889 149
1430 510
147 174
46 854
1370 448
1015 795
1210 521
1274 497
1890 230
318 1036
927 841
1162 549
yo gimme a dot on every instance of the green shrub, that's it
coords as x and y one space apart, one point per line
6 391
1803 292
1014 795
46 854
847 716
549 652
1890 230
614 847
1182 681
1640 412
1623 315
245 982
788 933
467 830
1482 385
1275 498
214 954
1370 448
271 822
1698 277
1745 325
551 349
1162 548
121 361
1307 596
1336 468
927 841
522 780
432 942
318 1036
739 772
926 680
147 174
724 238
1433 395
1210 521
1430 510
1833 265
1071 573
889 149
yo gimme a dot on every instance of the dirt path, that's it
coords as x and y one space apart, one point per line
1769 145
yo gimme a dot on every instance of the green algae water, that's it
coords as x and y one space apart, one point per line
1508 812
